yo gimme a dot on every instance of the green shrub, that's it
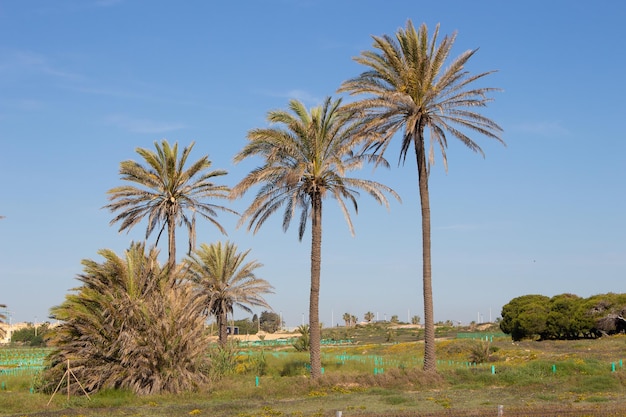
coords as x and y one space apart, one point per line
596 383
223 361
111 397
481 352
396 399
294 368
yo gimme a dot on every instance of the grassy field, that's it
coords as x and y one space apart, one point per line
379 375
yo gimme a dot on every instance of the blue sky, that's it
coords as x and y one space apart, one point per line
85 82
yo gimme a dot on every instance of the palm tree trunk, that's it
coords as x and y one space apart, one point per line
171 241
430 361
222 321
316 261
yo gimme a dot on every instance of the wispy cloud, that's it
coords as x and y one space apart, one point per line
542 128
23 64
134 95
110 92
29 104
26 62
22 104
139 125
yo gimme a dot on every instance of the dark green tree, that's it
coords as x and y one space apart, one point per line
270 322
599 313
246 326
33 335
525 317
564 319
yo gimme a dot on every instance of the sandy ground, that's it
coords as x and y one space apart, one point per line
268 336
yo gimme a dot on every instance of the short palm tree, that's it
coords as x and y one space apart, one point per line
408 88
167 193
347 318
223 279
307 157
131 324
302 344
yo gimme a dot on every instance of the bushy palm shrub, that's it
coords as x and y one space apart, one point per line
303 343
131 324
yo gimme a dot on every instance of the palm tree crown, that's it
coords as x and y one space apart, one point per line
224 279
408 88
307 157
167 193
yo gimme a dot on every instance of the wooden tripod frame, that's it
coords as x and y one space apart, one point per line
68 373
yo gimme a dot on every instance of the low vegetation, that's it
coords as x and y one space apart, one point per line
477 372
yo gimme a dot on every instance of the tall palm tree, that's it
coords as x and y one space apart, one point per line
307 157
131 324
167 193
408 88
224 279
